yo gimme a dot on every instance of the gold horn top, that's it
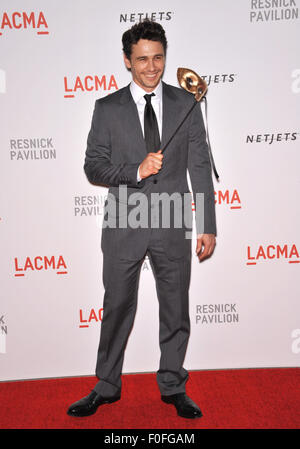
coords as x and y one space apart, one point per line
192 82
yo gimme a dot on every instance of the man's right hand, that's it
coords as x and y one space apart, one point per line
151 164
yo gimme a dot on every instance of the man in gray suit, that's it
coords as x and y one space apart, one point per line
129 128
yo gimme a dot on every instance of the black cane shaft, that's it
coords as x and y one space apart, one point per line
179 126
208 141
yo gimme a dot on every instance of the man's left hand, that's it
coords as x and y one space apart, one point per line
205 245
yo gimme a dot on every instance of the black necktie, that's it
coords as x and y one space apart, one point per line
151 131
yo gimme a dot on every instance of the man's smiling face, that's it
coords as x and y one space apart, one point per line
147 63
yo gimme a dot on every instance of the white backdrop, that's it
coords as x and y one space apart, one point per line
57 58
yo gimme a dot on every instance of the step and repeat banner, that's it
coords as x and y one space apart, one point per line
56 59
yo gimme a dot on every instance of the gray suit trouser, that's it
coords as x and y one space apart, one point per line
120 279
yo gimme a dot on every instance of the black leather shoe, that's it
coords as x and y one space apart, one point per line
184 405
89 404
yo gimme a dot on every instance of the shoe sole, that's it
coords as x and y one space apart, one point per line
189 417
182 415
91 412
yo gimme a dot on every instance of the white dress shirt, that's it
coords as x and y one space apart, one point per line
138 96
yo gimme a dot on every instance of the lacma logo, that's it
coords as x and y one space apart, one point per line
271 252
85 318
232 199
39 263
88 83
24 21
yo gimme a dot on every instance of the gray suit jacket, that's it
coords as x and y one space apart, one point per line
115 149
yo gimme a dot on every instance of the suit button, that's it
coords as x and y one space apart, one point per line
154 181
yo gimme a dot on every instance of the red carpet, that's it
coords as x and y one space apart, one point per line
230 399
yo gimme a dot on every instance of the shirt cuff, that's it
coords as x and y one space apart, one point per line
138 175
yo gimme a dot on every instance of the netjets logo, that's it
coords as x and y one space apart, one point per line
24 21
271 138
228 198
266 253
88 83
221 78
139 16
91 316
28 264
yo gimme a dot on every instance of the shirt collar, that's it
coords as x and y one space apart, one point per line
138 93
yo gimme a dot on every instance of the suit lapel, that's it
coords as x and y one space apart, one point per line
131 121
173 113
169 102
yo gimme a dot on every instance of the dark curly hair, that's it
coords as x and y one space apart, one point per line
146 29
